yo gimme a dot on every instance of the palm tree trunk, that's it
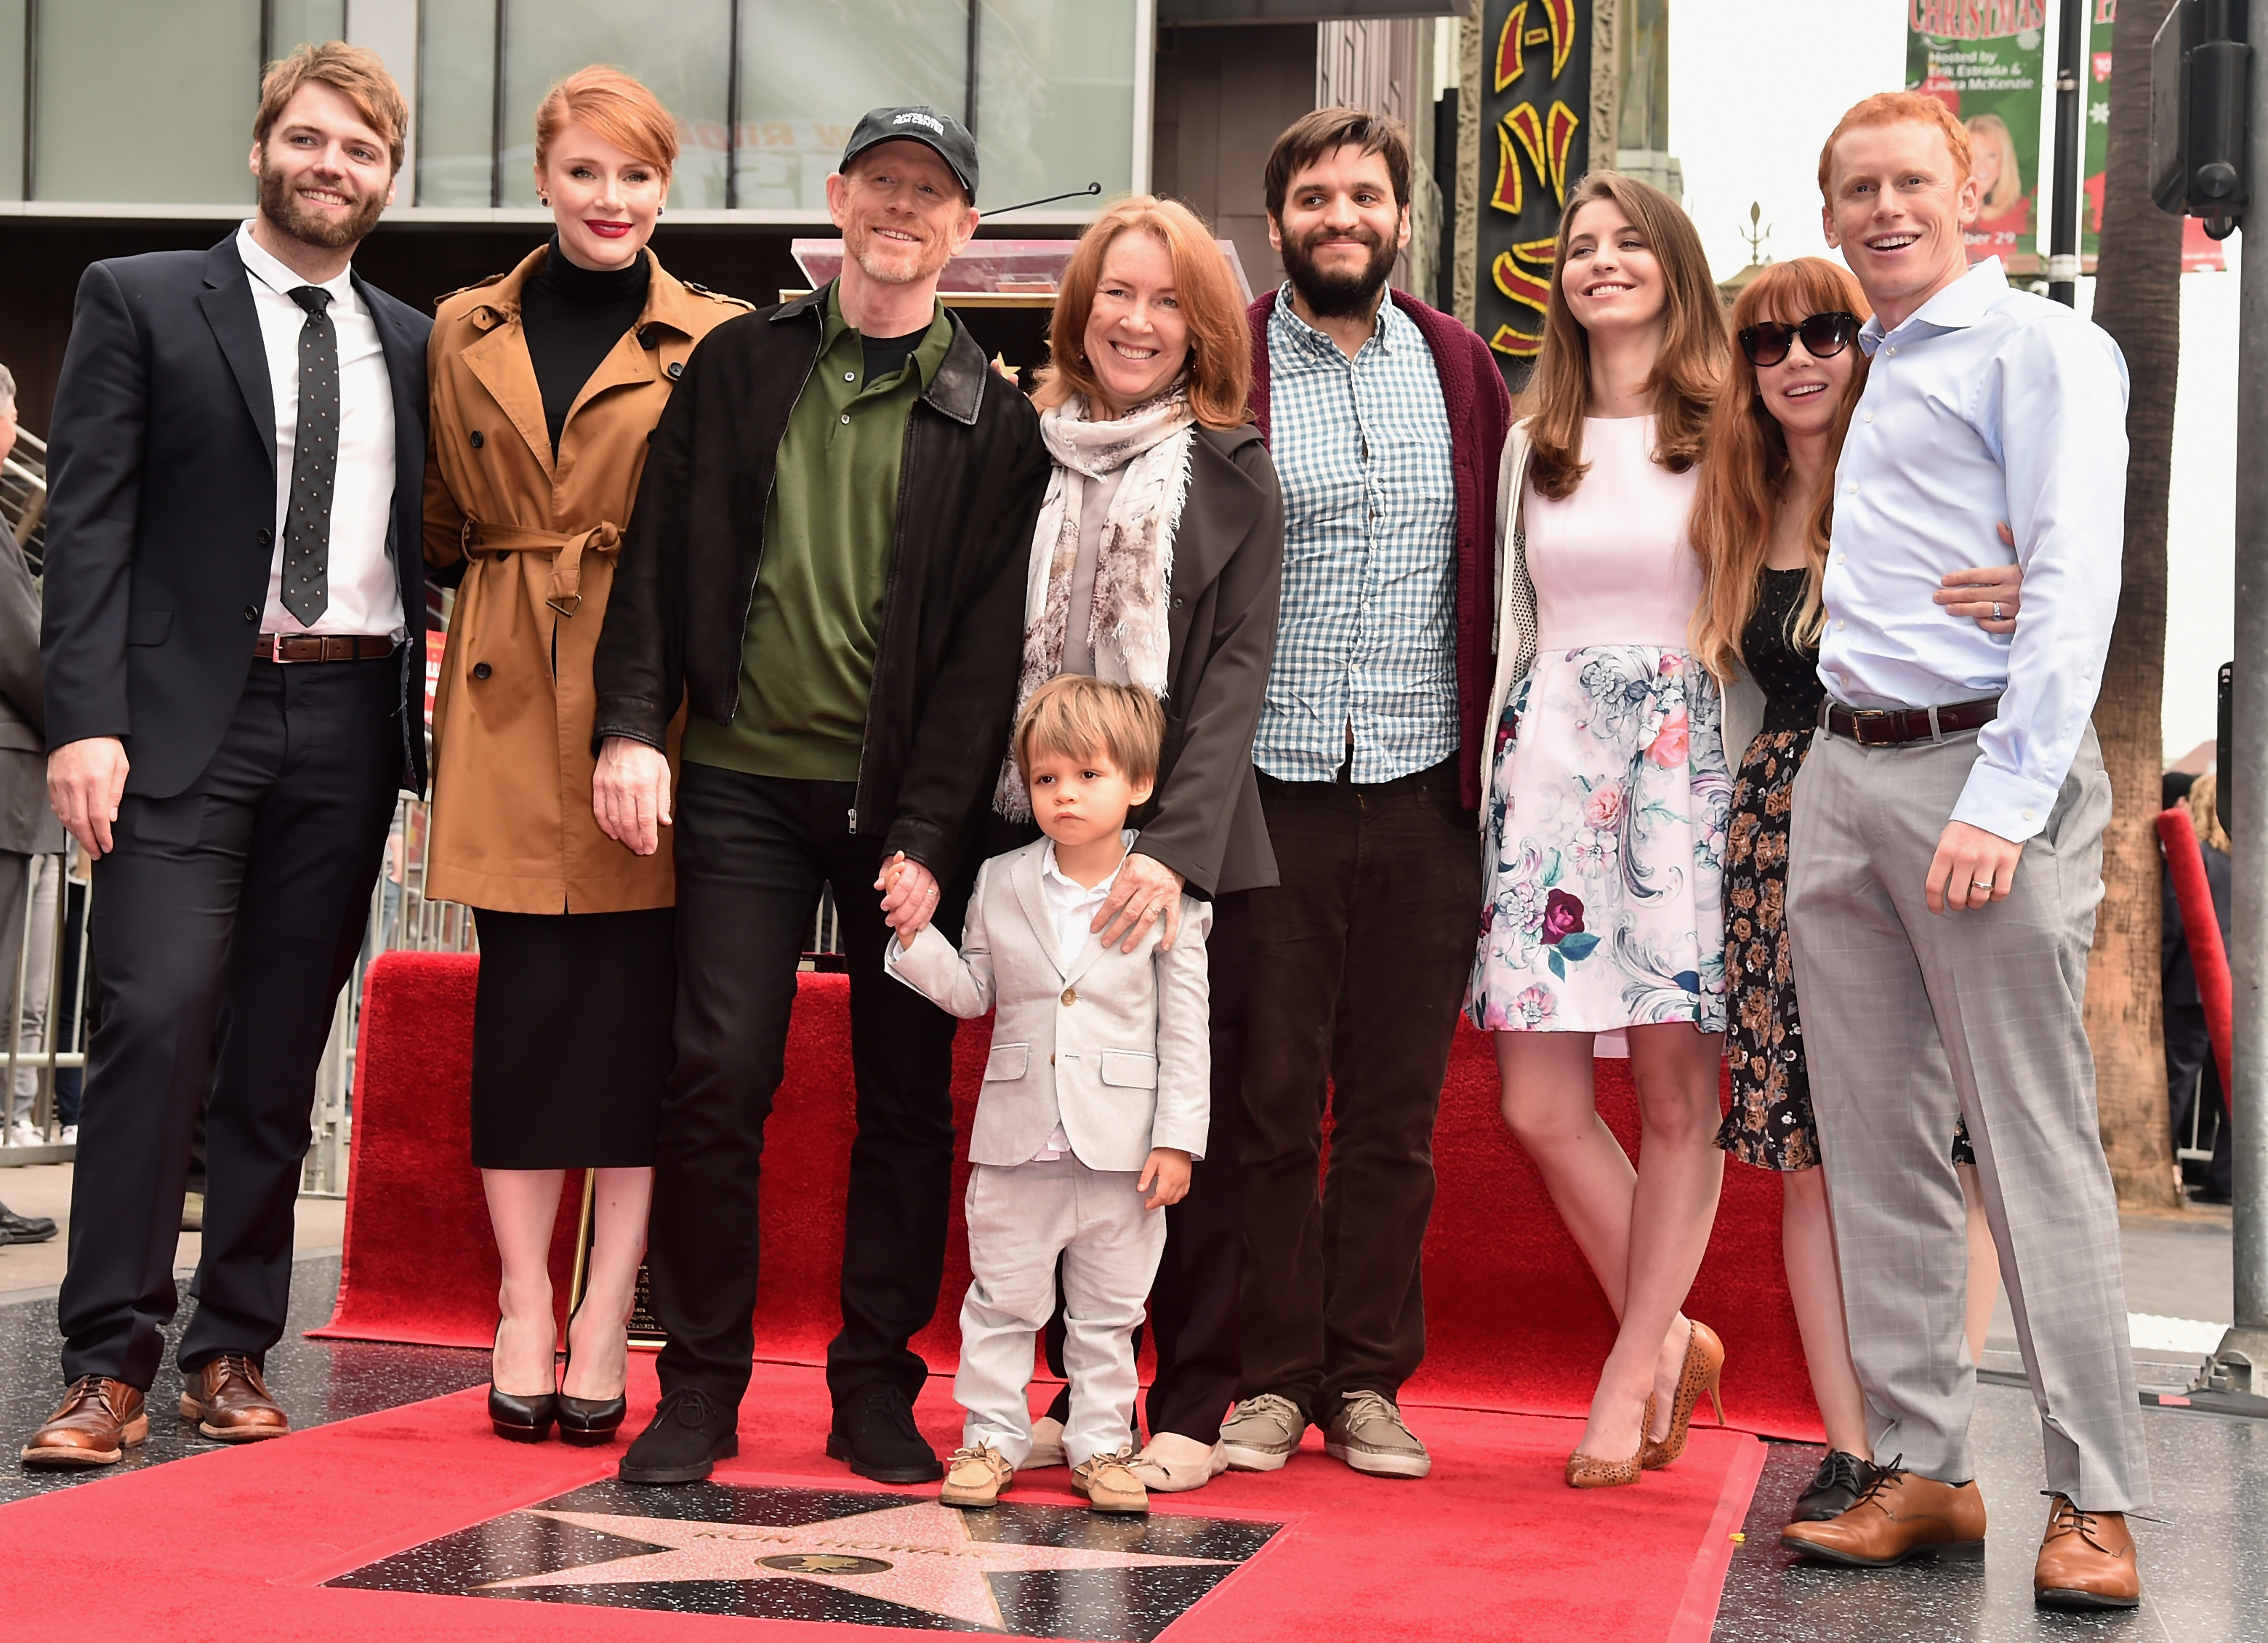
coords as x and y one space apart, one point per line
2138 300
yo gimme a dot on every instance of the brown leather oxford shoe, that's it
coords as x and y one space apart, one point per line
2086 1560
1901 1515
97 1422
230 1401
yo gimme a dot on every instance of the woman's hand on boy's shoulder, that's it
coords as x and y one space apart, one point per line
1146 890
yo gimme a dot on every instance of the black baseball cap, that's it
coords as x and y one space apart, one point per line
918 122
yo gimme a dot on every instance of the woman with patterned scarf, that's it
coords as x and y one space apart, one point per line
1157 562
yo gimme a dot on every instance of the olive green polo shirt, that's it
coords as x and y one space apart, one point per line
807 659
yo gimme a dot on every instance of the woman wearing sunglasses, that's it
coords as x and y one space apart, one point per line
1760 524
1609 798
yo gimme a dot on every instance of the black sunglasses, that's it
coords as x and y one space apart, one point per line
1824 336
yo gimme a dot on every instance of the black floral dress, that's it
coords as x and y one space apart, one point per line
1770 1124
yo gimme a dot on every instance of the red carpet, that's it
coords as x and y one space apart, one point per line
236 1544
1515 1320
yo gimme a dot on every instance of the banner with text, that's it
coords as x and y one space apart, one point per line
2199 255
1536 145
1987 60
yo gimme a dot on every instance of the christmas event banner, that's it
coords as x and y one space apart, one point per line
1987 60
1536 145
2199 255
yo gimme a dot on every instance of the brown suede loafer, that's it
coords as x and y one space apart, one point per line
1901 1515
230 1401
97 1422
2087 1561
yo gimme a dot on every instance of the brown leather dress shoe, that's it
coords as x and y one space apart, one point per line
230 1401
2087 1561
97 1422
1901 1515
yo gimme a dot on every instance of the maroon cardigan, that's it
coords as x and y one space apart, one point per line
1480 417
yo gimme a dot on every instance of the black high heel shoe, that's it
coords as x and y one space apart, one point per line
521 1419
589 1421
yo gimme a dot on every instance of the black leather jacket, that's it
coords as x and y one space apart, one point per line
952 618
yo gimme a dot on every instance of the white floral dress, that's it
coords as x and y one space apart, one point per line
1611 796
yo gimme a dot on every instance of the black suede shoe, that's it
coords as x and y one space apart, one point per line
1835 1489
688 1434
875 1430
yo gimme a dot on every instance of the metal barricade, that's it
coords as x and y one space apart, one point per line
45 1027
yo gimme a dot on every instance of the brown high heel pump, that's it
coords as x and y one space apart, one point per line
1705 1368
1585 1471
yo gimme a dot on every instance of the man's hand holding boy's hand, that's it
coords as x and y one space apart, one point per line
1168 1169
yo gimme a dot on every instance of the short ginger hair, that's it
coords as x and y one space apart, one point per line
617 107
1890 109
354 73
1076 716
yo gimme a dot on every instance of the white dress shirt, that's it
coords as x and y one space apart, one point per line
366 596
1988 404
1073 906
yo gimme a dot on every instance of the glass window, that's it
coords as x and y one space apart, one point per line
11 100
456 109
809 72
1055 98
682 50
112 72
303 23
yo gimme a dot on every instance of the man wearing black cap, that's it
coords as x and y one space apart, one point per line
826 566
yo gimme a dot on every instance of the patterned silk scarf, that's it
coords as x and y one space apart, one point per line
1133 571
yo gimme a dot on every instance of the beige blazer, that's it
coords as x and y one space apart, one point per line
1115 1045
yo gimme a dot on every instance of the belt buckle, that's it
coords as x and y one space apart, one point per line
276 650
1862 717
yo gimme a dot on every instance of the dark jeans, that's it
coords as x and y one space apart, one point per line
752 853
1195 1312
1359 959
2189 1054
230 912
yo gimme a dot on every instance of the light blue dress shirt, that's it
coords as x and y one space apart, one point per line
1365 641
1988 404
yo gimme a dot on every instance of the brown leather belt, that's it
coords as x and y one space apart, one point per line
321 647
1894 726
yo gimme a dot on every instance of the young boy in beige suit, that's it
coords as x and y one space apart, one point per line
1095 1097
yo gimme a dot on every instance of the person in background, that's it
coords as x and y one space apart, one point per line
1157 561
1945 867
1760 524
1384 418
237 446
2193 1075
548 382
826 567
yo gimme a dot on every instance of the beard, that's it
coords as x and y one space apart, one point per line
1335 296
279 203
894 261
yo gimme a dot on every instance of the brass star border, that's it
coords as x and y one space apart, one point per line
827 1555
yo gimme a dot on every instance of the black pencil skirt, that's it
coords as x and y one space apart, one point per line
571 1038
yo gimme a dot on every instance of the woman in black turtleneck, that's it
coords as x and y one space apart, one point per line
546 382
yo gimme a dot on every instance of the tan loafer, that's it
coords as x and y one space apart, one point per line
230 1401
1173 1464
975 1478
2086 1560
1901 1515
1109 1484
97 1422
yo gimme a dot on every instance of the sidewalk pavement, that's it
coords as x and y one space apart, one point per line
44 1189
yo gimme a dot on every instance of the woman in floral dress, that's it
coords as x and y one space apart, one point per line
1609 798
1761 527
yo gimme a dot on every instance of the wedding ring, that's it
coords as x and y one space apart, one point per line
1980 884
1997 616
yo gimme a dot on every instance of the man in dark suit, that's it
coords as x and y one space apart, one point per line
233 638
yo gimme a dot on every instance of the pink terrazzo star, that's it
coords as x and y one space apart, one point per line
919 1555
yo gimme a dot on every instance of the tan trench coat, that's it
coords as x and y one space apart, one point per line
512 827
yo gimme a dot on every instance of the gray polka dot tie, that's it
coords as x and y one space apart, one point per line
314 462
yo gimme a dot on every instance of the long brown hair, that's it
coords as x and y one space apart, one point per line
1220 343
1693 350
1745 479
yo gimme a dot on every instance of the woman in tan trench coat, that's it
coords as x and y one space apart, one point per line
546 382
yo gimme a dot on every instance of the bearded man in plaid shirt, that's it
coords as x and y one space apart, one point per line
1386 420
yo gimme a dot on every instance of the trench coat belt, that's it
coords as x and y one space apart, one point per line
565 593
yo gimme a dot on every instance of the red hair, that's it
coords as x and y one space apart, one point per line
1745 479
1890 109
1220 343
615 106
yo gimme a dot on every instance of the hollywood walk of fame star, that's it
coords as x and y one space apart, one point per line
919 1555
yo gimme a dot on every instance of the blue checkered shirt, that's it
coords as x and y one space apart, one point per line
1366 639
